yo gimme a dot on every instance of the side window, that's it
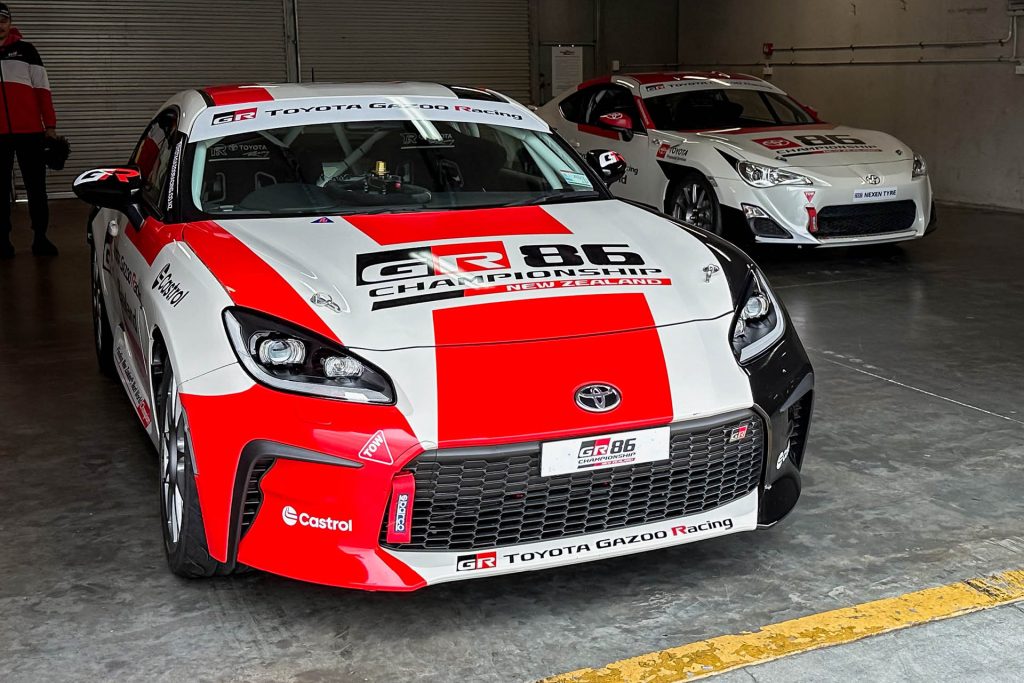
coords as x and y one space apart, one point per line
614 98
786 111
574 107
751 106
153 156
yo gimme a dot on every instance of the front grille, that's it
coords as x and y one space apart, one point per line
253 494
855 220
468 500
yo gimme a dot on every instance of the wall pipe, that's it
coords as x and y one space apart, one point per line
880 62
1002 59
896 46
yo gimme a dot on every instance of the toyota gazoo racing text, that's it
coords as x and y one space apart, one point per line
390 335
733 154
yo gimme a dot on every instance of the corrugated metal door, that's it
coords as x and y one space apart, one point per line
463 42
113 63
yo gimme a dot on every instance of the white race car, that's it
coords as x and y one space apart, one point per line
389 335
719 150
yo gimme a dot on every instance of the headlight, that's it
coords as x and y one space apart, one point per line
759 175
920 168
284 357
759 322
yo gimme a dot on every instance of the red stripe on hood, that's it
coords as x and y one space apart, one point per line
490 392
249 280
238 94
444 225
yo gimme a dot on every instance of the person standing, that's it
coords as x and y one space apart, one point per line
26 119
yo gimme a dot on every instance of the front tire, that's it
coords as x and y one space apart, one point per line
692 200
103 338
184 533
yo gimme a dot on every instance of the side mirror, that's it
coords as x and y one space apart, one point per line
608 164
112 188
812 111
618 121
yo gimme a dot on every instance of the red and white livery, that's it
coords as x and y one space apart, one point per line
722 150
390 335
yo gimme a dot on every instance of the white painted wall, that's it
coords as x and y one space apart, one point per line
966 119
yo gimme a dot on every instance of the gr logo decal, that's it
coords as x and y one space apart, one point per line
234 116
468 563
452 258
418 262
121 175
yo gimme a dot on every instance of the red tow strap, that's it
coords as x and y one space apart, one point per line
403 492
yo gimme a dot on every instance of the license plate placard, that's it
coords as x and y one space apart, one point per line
603 451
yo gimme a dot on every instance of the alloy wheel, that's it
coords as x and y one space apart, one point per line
694 206
174 444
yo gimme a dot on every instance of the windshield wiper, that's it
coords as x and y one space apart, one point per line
557 197
384 209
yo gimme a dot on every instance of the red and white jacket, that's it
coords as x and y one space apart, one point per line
26 105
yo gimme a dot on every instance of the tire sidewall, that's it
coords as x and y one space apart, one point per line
102 336
176 550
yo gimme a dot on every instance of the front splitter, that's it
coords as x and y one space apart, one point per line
442 566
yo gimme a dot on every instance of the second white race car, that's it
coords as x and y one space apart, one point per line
719 150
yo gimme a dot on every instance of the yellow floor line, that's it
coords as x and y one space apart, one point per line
724 653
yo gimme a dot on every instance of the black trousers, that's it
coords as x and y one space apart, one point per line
28 147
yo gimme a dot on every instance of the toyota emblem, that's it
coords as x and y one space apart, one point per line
872 179
598 398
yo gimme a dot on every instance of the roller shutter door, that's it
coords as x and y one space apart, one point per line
463 42
113 63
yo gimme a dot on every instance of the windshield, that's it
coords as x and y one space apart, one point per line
724 108
379 166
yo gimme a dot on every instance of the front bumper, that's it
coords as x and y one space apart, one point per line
293 497
794 214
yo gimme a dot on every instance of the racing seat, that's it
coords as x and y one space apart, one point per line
238 169
467 163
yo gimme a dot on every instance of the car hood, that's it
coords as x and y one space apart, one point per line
393 281
811 146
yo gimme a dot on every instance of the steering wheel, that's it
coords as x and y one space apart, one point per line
353 191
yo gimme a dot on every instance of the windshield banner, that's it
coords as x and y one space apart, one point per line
218 122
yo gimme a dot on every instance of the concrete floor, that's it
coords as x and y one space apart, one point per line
984 646
913 479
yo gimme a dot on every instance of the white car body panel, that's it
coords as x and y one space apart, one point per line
878 161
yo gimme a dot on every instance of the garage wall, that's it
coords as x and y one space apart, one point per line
641 35
112 64
967 119
565 22
465 42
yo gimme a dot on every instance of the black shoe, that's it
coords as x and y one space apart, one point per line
6 249
43 247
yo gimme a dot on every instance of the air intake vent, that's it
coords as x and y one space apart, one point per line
253 493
